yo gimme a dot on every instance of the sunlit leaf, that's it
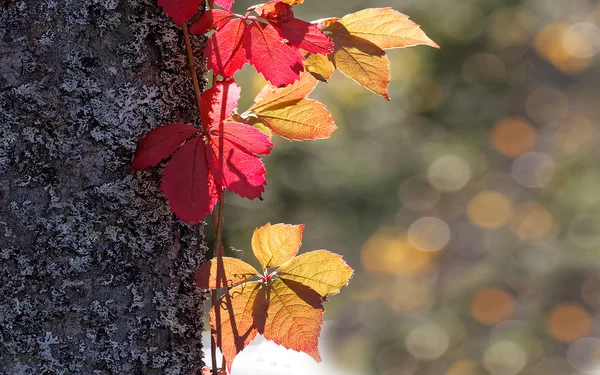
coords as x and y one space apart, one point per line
321 270
293 316
276 244
237 310
236 271
385 28
319 66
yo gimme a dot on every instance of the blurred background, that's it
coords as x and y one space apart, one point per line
469 205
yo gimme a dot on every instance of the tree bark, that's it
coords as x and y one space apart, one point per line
96 274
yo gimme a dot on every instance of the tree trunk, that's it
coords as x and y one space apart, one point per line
96 274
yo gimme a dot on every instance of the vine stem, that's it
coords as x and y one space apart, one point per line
217 220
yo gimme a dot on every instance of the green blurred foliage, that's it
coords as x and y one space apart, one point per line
469 205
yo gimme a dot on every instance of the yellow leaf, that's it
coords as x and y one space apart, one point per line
384 27
306 119
321 270
292 2
292 316
271 96
236 333
362 61
274 245
236 272
319 66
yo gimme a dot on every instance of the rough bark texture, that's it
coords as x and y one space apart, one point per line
96 275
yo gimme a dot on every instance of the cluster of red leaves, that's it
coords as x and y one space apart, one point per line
285 305
272 42
195 172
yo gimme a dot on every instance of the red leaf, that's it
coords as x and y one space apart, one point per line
224 49
224 3
180 11
222 91
305 35
275 11
187 183
211 19
278 62
160 143
243 171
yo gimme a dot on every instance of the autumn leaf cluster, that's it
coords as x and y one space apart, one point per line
284 301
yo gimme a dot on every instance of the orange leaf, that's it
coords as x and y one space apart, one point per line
362 61
236 334
288 114
319 66
292 316
321 270
236 271
271 96
385 28
306 119
292 2
274 245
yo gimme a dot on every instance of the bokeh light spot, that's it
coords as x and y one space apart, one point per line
489 209
533 169
429 234
532 222
427 341
584 355
505 358
449 173
549 44
568 322
465 367
513 136
582 40
394 255
491 306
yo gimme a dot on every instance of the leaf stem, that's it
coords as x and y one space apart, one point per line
192 66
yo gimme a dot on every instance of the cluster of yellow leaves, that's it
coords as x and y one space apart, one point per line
360 40
284 305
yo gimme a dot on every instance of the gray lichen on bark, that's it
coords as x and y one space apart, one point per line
96 275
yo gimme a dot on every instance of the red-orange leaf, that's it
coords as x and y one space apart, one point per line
321 270
277 61
293 316
243 171
224 3
224 49
219 101
211 19
160 143
235 270
187 183
275 11
236 333
276 244
180 11
305 35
